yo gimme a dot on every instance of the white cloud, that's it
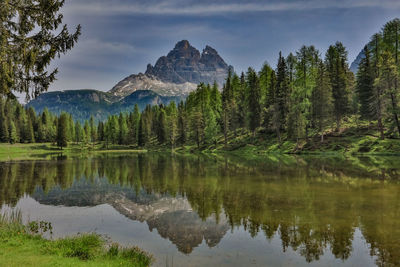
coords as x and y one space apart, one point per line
119 7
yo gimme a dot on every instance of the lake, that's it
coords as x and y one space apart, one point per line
219 211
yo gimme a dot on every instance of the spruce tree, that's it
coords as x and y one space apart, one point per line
181 124
281 93
162 127
13 133
62 127
29 40
93 130
142 134
337 67
253 99
227 95
322 102
365 86
123 130
4 131
391 36
384 87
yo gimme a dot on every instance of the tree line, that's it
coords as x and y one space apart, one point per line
307 94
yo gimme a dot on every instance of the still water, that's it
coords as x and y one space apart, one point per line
217 211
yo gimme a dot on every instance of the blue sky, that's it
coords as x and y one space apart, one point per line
121 37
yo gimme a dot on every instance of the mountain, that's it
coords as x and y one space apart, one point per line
82 104
178 73
149 82
172 78
143 98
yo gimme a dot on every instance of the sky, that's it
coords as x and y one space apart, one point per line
120 37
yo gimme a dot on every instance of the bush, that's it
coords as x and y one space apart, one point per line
84 246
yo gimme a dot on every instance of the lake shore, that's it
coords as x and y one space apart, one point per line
24 245
244 145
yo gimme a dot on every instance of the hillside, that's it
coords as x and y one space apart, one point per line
82 104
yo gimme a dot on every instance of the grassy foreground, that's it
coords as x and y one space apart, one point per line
22 245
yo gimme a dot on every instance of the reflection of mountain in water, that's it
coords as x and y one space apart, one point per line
172 217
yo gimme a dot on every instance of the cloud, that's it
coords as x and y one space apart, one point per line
174 7
95 52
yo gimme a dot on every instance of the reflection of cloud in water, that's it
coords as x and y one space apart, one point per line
172 217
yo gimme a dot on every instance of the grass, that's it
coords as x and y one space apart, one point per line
15 152
354 138
22 245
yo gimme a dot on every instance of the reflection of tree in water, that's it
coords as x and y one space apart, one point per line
310 203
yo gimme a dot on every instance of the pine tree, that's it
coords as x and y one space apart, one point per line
162 127
322 102
211 126
86 131
134 119
227 95
197 127
391 36
62 128
269 101
384 87
93 131
336 64
281 93
365 86
253 99
28 46
181 123
172 124
29 134
13 133
100 131
241 103
142 133
78 132
123 130
4 134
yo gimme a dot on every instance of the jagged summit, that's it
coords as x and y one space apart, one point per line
178 72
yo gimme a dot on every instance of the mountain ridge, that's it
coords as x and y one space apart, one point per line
172 78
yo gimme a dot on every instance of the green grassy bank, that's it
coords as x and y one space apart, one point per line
23 245
353 139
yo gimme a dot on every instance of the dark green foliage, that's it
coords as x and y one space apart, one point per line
142 133
29 40
281 94
162 127
337 67
365 86
254 98
62 127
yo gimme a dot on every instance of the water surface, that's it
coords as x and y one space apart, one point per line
198 211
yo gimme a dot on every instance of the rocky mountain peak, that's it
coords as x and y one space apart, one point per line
185 64
212 60
184 44
177 73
